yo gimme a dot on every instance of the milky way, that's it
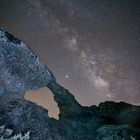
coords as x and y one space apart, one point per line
91 46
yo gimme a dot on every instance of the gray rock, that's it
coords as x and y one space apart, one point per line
22 70
113 132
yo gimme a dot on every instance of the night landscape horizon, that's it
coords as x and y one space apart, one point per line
69 69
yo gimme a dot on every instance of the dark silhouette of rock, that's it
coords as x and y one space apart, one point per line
22 70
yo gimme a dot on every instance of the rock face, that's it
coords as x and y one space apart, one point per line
21 70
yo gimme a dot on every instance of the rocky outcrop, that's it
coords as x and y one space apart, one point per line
21 70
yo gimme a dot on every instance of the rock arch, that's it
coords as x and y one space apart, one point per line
43 97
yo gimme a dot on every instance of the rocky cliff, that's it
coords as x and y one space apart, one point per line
22 70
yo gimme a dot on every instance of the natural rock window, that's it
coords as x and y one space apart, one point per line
44 98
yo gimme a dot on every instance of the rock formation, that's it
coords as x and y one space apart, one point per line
22 70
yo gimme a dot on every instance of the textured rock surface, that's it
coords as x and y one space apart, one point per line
21 70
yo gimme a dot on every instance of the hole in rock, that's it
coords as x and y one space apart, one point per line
44 97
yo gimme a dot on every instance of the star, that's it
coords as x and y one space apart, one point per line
108 95
92 62
66 76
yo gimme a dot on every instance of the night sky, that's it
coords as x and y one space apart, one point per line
91 46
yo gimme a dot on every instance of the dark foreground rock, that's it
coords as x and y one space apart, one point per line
21 70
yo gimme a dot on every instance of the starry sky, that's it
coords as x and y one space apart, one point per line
91 46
